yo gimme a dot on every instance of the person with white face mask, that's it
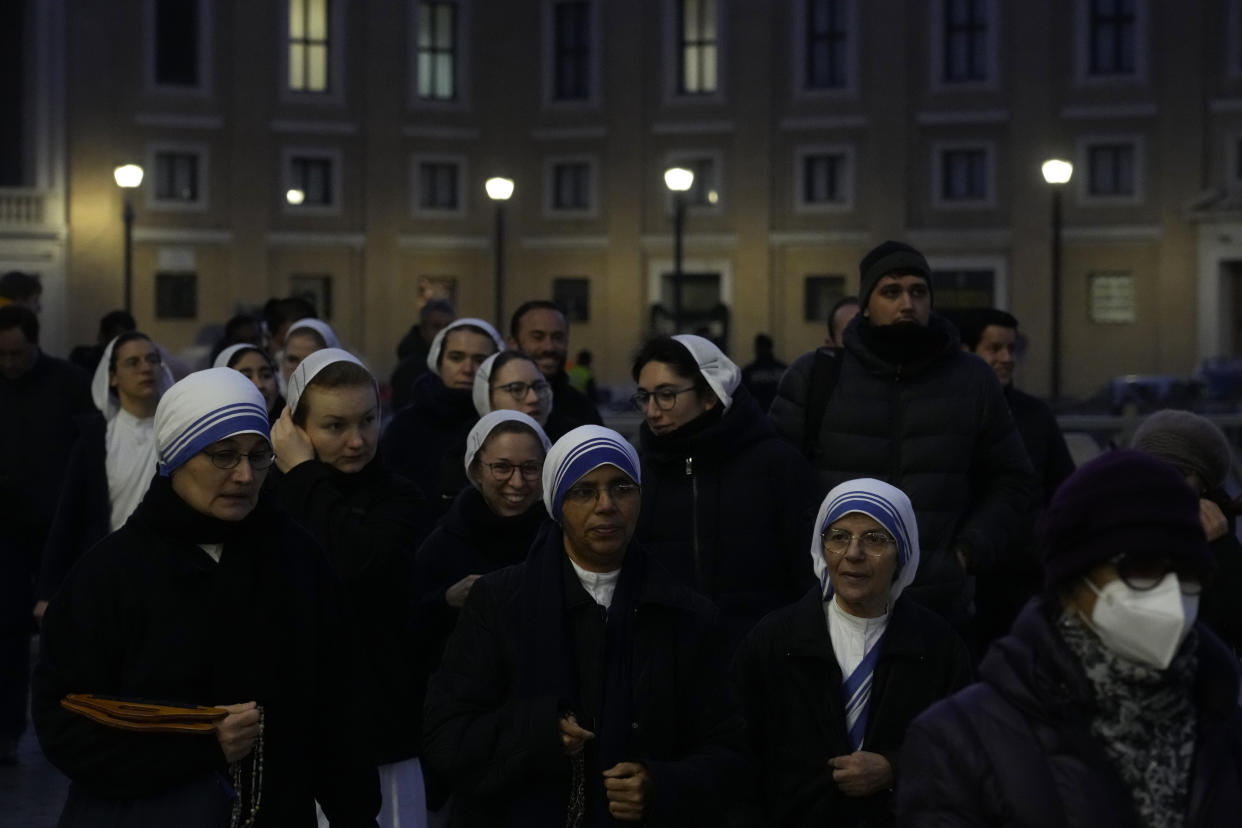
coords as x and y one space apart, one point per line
1107 703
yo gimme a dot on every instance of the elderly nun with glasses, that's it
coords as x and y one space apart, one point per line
830 683
1108 703
205 597
586 685
727 502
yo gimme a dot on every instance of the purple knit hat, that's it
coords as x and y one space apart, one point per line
1119 502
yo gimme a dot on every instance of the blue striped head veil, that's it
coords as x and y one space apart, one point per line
885 504
205 407
579 453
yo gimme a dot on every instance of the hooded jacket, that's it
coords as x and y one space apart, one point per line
1016 748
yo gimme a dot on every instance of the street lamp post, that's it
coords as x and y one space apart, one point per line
1057 173
678 180
128 177
499 190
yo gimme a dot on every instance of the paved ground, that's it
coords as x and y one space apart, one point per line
32 792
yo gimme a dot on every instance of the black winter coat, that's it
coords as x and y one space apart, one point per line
84 513
790 684
368 524
727 508
1045 445
1016 748
570 408
426 440
498 747
146 614
936 427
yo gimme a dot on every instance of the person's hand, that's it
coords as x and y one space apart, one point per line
1215 524
237 731
573 737
40 607
625 784
963 560
290 442
455 596
861 773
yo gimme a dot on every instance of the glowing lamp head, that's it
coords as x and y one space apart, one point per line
678 179
295 196
1057 171
499 189
128 176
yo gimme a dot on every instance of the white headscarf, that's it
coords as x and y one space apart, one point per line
888 506
224 357
722 375
312 365
101 384
205 407
482 393
577 454
437 344
484 427
318 326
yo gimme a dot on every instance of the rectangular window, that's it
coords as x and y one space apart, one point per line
571 186
315 288
571 51
572 294
820 293
1110 171
313 177
964 175
824 178
176 177
697 47
827 43
1111 37
965 41
964 288
437 51
1111 297
437 185
176 43
176 295
308 45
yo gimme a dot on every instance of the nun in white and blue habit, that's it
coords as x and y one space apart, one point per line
831 683
203 601
636 659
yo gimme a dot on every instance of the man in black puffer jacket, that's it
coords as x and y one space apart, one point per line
910 408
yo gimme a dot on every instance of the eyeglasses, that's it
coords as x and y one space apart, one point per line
665 398
518 390
874 543
503 470
1143 571
153 359
229 458
589 495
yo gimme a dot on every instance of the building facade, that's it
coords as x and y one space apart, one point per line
816 129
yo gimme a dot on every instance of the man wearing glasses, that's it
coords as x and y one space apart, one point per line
904 404
585 684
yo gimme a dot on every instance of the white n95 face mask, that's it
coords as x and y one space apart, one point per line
1143 625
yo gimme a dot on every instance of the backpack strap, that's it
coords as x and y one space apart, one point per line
823 381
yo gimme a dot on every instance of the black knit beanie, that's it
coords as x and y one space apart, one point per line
1121 501
889 257
1188 441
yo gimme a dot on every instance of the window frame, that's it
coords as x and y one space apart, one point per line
417 209
1083 40
334 157
150 83
337 39
939 49
939 151
1082 162
800 156
800 54
550 210
203 173
549 57
462 52
672 55
681 158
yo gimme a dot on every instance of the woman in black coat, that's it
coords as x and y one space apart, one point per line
831 683
426 440
1107 704
206 597
368 522
727 502
253 363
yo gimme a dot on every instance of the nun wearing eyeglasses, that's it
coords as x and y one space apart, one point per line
206 597
727 502
113 458
426 440
254 364
830 683
368 521
1109 702
586 686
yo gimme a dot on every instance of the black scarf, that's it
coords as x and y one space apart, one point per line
170 516
904 343
547 667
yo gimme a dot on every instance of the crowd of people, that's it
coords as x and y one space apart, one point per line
480 606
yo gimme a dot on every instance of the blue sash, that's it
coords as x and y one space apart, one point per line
857 693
